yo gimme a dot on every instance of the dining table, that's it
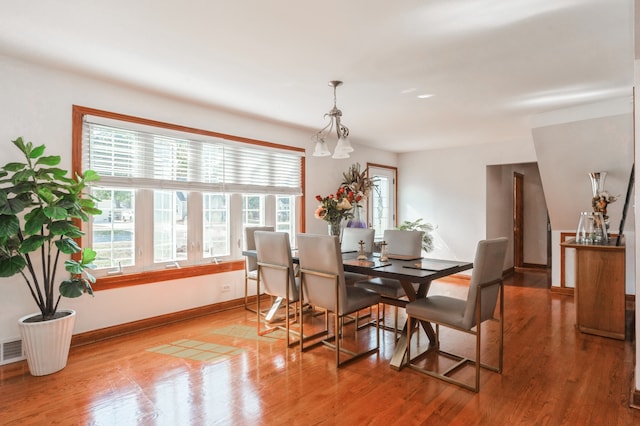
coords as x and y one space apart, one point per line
415 274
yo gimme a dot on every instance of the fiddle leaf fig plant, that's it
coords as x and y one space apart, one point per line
40 209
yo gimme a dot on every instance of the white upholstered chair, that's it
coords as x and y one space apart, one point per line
351 238
486 290
401 244
322 285
275 273
251 263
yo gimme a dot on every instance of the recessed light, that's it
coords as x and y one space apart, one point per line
426 95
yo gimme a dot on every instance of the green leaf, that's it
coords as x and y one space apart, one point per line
24 188
10 225
37 151
55 213
88 256
34 221
12 206
46 194
73 267
72 288
20 144
90 176
92 211
51 160
22 176
63 227
67 246
11 265
31 244
90 278
50 173
14 167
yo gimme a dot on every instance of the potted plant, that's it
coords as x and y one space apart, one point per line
39 212
417 225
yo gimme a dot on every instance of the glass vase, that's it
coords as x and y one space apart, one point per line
597 182
357 221
591 229
334 229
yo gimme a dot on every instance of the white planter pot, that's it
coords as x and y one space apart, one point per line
46 344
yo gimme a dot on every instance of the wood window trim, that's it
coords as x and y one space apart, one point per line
139 278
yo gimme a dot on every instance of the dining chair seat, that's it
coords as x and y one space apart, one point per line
323 286
441 310
402 243
485 296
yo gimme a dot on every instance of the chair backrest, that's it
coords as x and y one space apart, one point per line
351 238
250 244
487 266
404 243
273 248
321 253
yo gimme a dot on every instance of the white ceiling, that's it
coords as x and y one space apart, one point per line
490 64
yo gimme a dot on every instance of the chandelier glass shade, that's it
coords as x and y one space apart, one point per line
343 147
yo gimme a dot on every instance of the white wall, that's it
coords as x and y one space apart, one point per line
447 188
569 146
36 104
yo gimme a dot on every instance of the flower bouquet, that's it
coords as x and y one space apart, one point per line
335 207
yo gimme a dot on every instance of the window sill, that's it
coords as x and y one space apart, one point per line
127 280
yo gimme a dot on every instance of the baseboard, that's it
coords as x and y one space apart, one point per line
147 323
634 400
630 302
534 266
567 291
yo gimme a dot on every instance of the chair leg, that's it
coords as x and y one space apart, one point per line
395 323
246 295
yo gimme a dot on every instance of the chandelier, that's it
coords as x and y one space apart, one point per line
343 147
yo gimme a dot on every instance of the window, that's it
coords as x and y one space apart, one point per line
284 214
114 230
215 227
167 192
383 199
169 226
253 210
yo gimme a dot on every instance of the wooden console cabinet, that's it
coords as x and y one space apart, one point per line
600 288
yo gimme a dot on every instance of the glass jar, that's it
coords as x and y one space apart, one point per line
591 229
335 229
384 254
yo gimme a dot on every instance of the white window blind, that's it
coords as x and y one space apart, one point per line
124 153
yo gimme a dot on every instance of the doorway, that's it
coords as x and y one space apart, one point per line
516 208
518 220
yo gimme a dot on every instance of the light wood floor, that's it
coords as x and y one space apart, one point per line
552 375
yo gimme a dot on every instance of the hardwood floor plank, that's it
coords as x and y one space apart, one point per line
553 374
